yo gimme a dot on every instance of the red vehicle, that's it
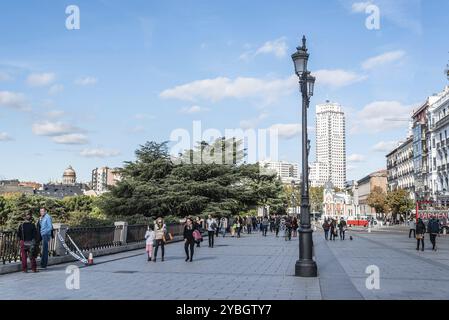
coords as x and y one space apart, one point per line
359 223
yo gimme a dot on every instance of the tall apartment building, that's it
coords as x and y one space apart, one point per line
103 178
330 165
400 167
421 137
286 171
438 162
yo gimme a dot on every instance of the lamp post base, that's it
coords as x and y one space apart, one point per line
306 269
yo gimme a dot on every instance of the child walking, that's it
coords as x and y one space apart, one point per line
149 236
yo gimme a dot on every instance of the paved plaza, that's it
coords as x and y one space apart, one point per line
253 267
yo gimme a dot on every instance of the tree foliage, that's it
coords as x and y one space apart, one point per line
154 185
377 199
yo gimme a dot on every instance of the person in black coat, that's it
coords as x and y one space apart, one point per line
27 235
420 231
189 240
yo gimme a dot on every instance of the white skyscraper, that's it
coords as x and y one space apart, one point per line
330 162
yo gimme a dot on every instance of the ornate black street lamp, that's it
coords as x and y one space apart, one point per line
305 266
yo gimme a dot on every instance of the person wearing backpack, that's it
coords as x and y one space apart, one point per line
326 228
211 226
46 232
27 234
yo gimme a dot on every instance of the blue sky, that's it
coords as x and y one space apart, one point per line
137 70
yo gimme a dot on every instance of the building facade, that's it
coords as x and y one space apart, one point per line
421 138
285 171
400 167
338 204
104 178
68 188
438 164
330 145
365 186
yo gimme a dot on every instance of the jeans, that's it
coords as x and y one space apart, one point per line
44 258
239 229
277 230
342 234
422 243
265 229
211 235
410 233
223 229
24 256
159 242
190 245
248 228
326 234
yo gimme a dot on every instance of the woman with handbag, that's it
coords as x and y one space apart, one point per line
420 231
160 230
189 239
26 234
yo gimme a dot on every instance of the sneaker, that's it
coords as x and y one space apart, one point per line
191 260
162 259
187 259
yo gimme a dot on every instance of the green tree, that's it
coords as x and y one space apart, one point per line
377 199
316 198
399 202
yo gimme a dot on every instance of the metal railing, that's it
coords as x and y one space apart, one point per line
85 238
10 249
92 238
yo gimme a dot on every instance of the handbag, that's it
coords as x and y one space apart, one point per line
419 237
197 235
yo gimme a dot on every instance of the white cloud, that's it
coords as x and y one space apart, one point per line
4 137
48 128
74 138
337 78
193 109
380 116
86 81
382 59
358 7
286 131
55 89
384 146
221 88
40 79
99 153
356 158
13 100
277 47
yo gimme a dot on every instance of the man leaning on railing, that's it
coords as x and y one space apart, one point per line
46 232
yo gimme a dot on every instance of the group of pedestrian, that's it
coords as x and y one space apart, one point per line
332 229
419 230
157 236
32 236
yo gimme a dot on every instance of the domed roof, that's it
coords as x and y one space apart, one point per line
69 172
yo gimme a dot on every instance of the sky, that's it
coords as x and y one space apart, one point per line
140 70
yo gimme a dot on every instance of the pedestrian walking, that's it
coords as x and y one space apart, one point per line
342 228
277 225
150 239
189 239
223 225
295 226
211 226
412 226
45 226
265 224
239 225
27 235
333 229
420 231
160 229
326 228
198 226
249 223
434 230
